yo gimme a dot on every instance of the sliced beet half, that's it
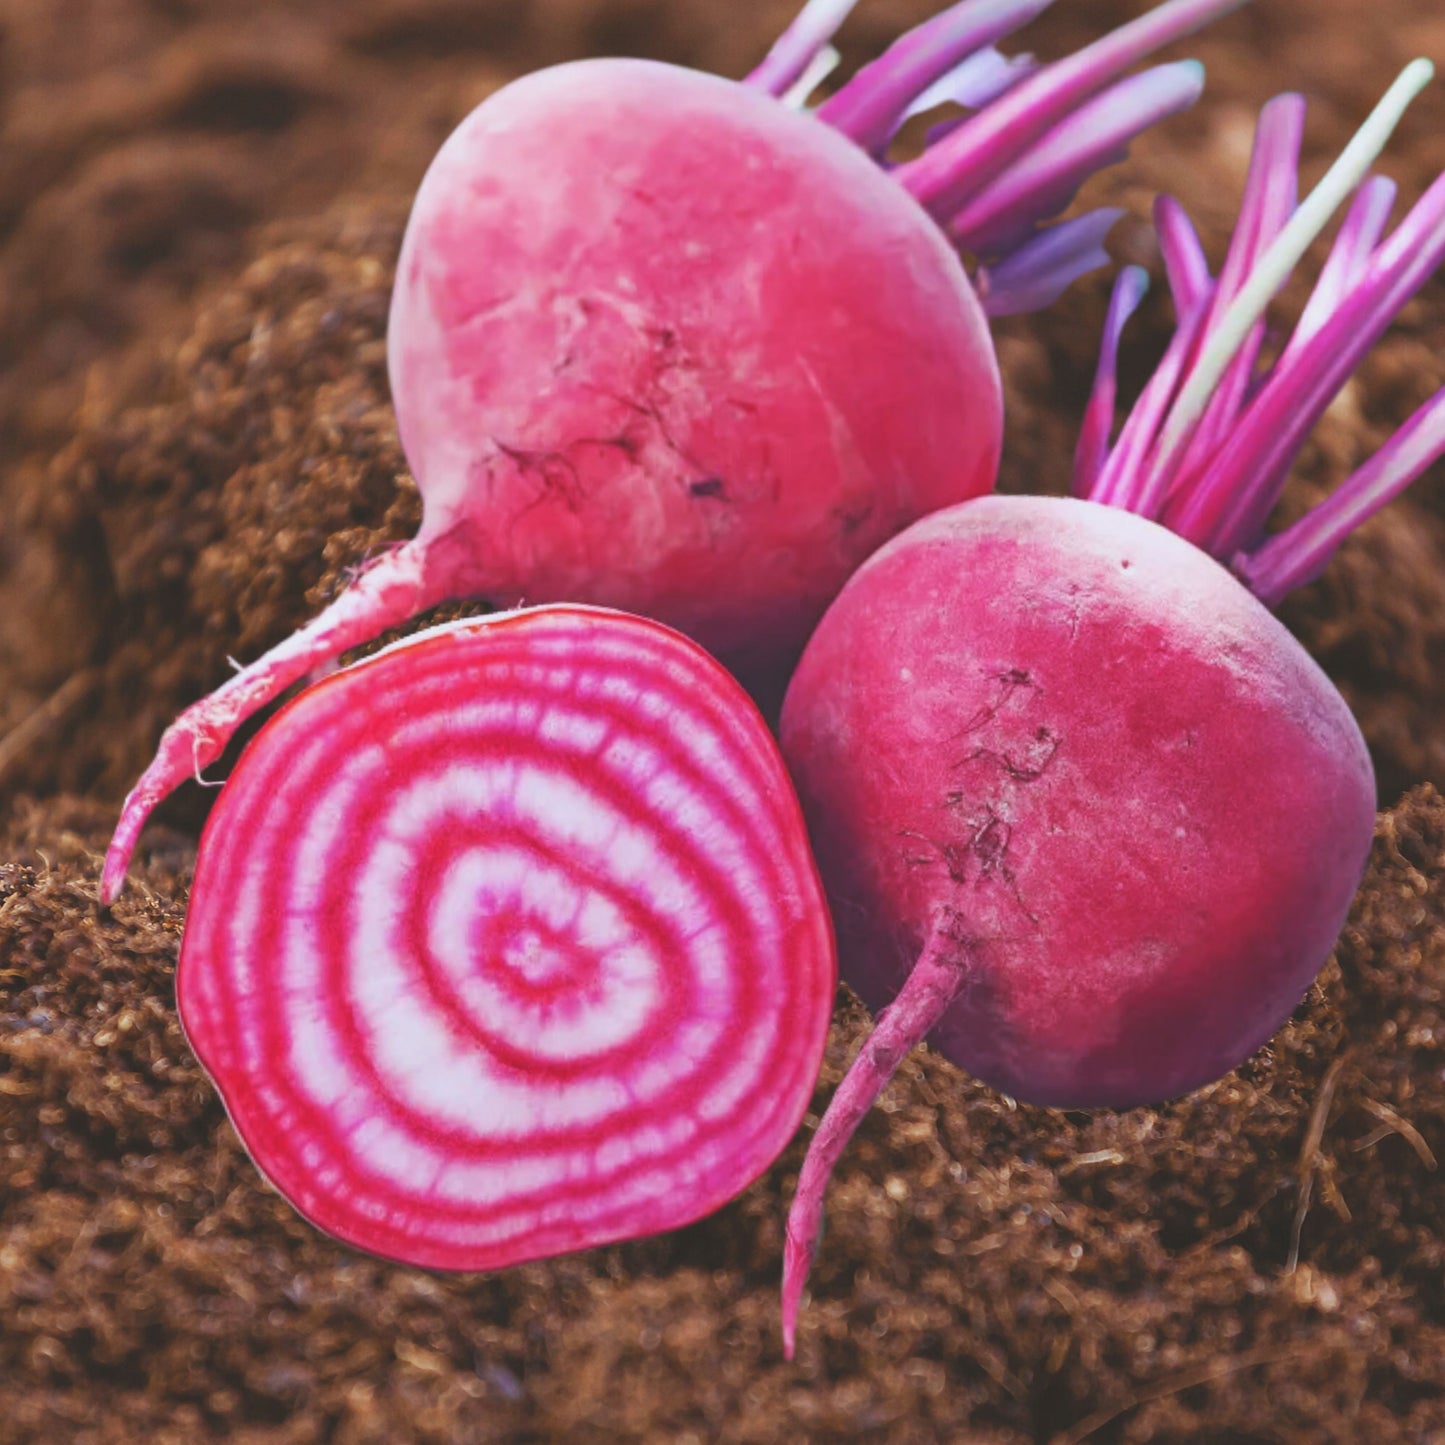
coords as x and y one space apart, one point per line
508 941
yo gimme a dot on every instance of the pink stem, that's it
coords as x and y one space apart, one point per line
972 84
1270 196
1349 256
1047 264
1271 192
1093 444
1300 553
933 984
949 174
1125 480
1043 180
395 587
1184 259
1246 478
799 45
869 108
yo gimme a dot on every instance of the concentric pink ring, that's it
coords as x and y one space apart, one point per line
508 941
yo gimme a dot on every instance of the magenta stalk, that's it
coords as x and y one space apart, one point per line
1212 469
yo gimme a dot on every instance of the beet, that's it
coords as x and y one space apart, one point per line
1088 816
507 941
660 341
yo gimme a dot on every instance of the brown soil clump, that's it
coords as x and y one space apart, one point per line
200 209
216 515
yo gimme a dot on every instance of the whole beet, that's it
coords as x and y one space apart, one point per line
668 343
1067 753
633 384
1088 816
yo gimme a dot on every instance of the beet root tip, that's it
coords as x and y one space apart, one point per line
936 980
396 586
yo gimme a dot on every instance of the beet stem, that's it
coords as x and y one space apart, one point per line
1126 480
934 983
1093 443
870 107
1301 552
823 64
1271 193
394 588
1184 259
1309 219
1348 261
1042 181
797 49
947 176
1209 445
1047 264
972 84
1250 471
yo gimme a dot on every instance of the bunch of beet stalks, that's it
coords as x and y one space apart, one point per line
518 936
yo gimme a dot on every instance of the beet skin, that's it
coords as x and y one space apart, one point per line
1063 738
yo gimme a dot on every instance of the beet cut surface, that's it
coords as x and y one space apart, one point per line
508 941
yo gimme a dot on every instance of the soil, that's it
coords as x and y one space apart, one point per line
200 207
